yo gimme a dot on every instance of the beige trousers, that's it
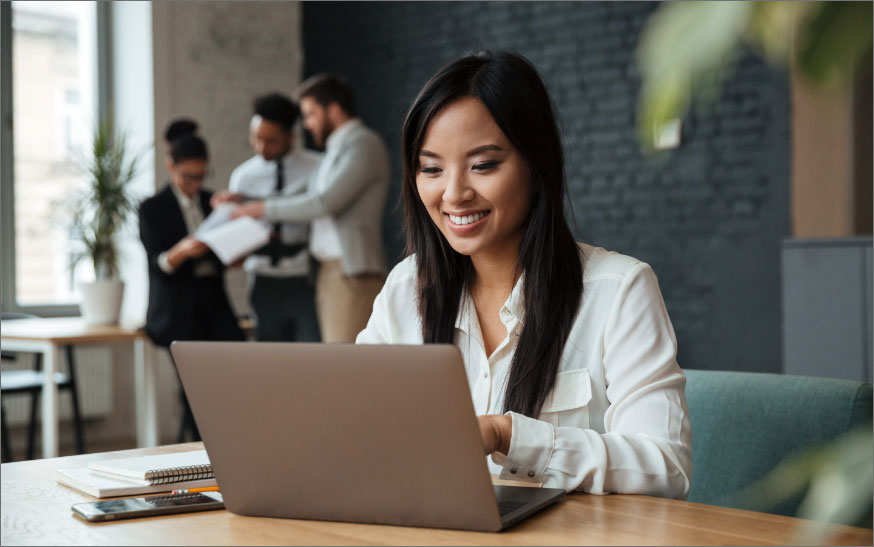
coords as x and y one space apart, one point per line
344 303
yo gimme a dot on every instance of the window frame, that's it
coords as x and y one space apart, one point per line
103 27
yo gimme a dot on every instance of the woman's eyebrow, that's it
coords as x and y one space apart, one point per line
484 148
472 152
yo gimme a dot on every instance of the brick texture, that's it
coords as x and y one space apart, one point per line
708 216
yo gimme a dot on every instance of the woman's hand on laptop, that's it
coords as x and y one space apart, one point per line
496 430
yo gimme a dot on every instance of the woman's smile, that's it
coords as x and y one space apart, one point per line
466 223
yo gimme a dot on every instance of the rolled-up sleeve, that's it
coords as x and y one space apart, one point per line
647 439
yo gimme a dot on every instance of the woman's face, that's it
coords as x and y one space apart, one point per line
188 175
473 182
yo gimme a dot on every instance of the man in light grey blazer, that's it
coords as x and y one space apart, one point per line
345 201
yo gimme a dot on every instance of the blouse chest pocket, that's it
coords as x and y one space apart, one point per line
568 403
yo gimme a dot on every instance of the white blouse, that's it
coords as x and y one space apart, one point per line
616 420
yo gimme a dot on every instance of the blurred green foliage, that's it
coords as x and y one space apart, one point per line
836 481
687 48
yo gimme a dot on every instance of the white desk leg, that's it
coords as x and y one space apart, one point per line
50 402
145 384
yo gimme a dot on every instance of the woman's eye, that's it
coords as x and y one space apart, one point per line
429 170
485 165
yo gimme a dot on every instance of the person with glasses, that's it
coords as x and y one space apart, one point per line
187 298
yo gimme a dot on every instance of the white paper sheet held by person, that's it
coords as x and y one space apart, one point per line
234 239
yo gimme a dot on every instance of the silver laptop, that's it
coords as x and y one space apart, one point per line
343 432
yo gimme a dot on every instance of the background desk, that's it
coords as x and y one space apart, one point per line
48 336
36 511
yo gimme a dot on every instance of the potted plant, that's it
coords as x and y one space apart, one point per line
98 213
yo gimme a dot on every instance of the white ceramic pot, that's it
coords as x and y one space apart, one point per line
101 301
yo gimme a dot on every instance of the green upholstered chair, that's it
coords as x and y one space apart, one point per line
745 423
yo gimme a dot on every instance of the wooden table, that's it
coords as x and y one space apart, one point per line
36 511
48 336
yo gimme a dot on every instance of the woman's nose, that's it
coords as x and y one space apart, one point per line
457 188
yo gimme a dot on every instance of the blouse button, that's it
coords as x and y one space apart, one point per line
531 474
513 471
485 374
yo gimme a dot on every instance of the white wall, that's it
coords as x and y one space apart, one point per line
133 107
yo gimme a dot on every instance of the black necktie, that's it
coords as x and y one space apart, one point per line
277 228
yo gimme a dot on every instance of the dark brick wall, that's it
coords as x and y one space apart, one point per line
708 217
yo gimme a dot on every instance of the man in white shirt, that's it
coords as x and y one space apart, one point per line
345 201
281 281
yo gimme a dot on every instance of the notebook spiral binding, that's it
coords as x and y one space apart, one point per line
154 500
179 474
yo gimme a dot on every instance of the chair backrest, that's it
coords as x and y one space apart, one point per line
11 316
745 423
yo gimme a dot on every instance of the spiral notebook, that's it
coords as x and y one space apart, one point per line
159 469
102 486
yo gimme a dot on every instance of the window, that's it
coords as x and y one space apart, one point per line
51 85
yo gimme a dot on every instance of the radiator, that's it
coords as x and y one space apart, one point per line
93 381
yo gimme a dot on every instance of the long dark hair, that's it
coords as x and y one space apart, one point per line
510 88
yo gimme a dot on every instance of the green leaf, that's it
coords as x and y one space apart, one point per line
101 210
833 41
838 479
685 46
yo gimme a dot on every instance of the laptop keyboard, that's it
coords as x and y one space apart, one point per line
505 507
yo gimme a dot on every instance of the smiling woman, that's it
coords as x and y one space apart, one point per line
577 389
473 182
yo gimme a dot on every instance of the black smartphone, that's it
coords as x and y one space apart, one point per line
97 511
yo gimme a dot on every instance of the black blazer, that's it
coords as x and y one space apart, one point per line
172 313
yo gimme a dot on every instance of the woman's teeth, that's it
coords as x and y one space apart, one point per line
467 219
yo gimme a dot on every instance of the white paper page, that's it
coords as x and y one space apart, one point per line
219 216
236 238
137 467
